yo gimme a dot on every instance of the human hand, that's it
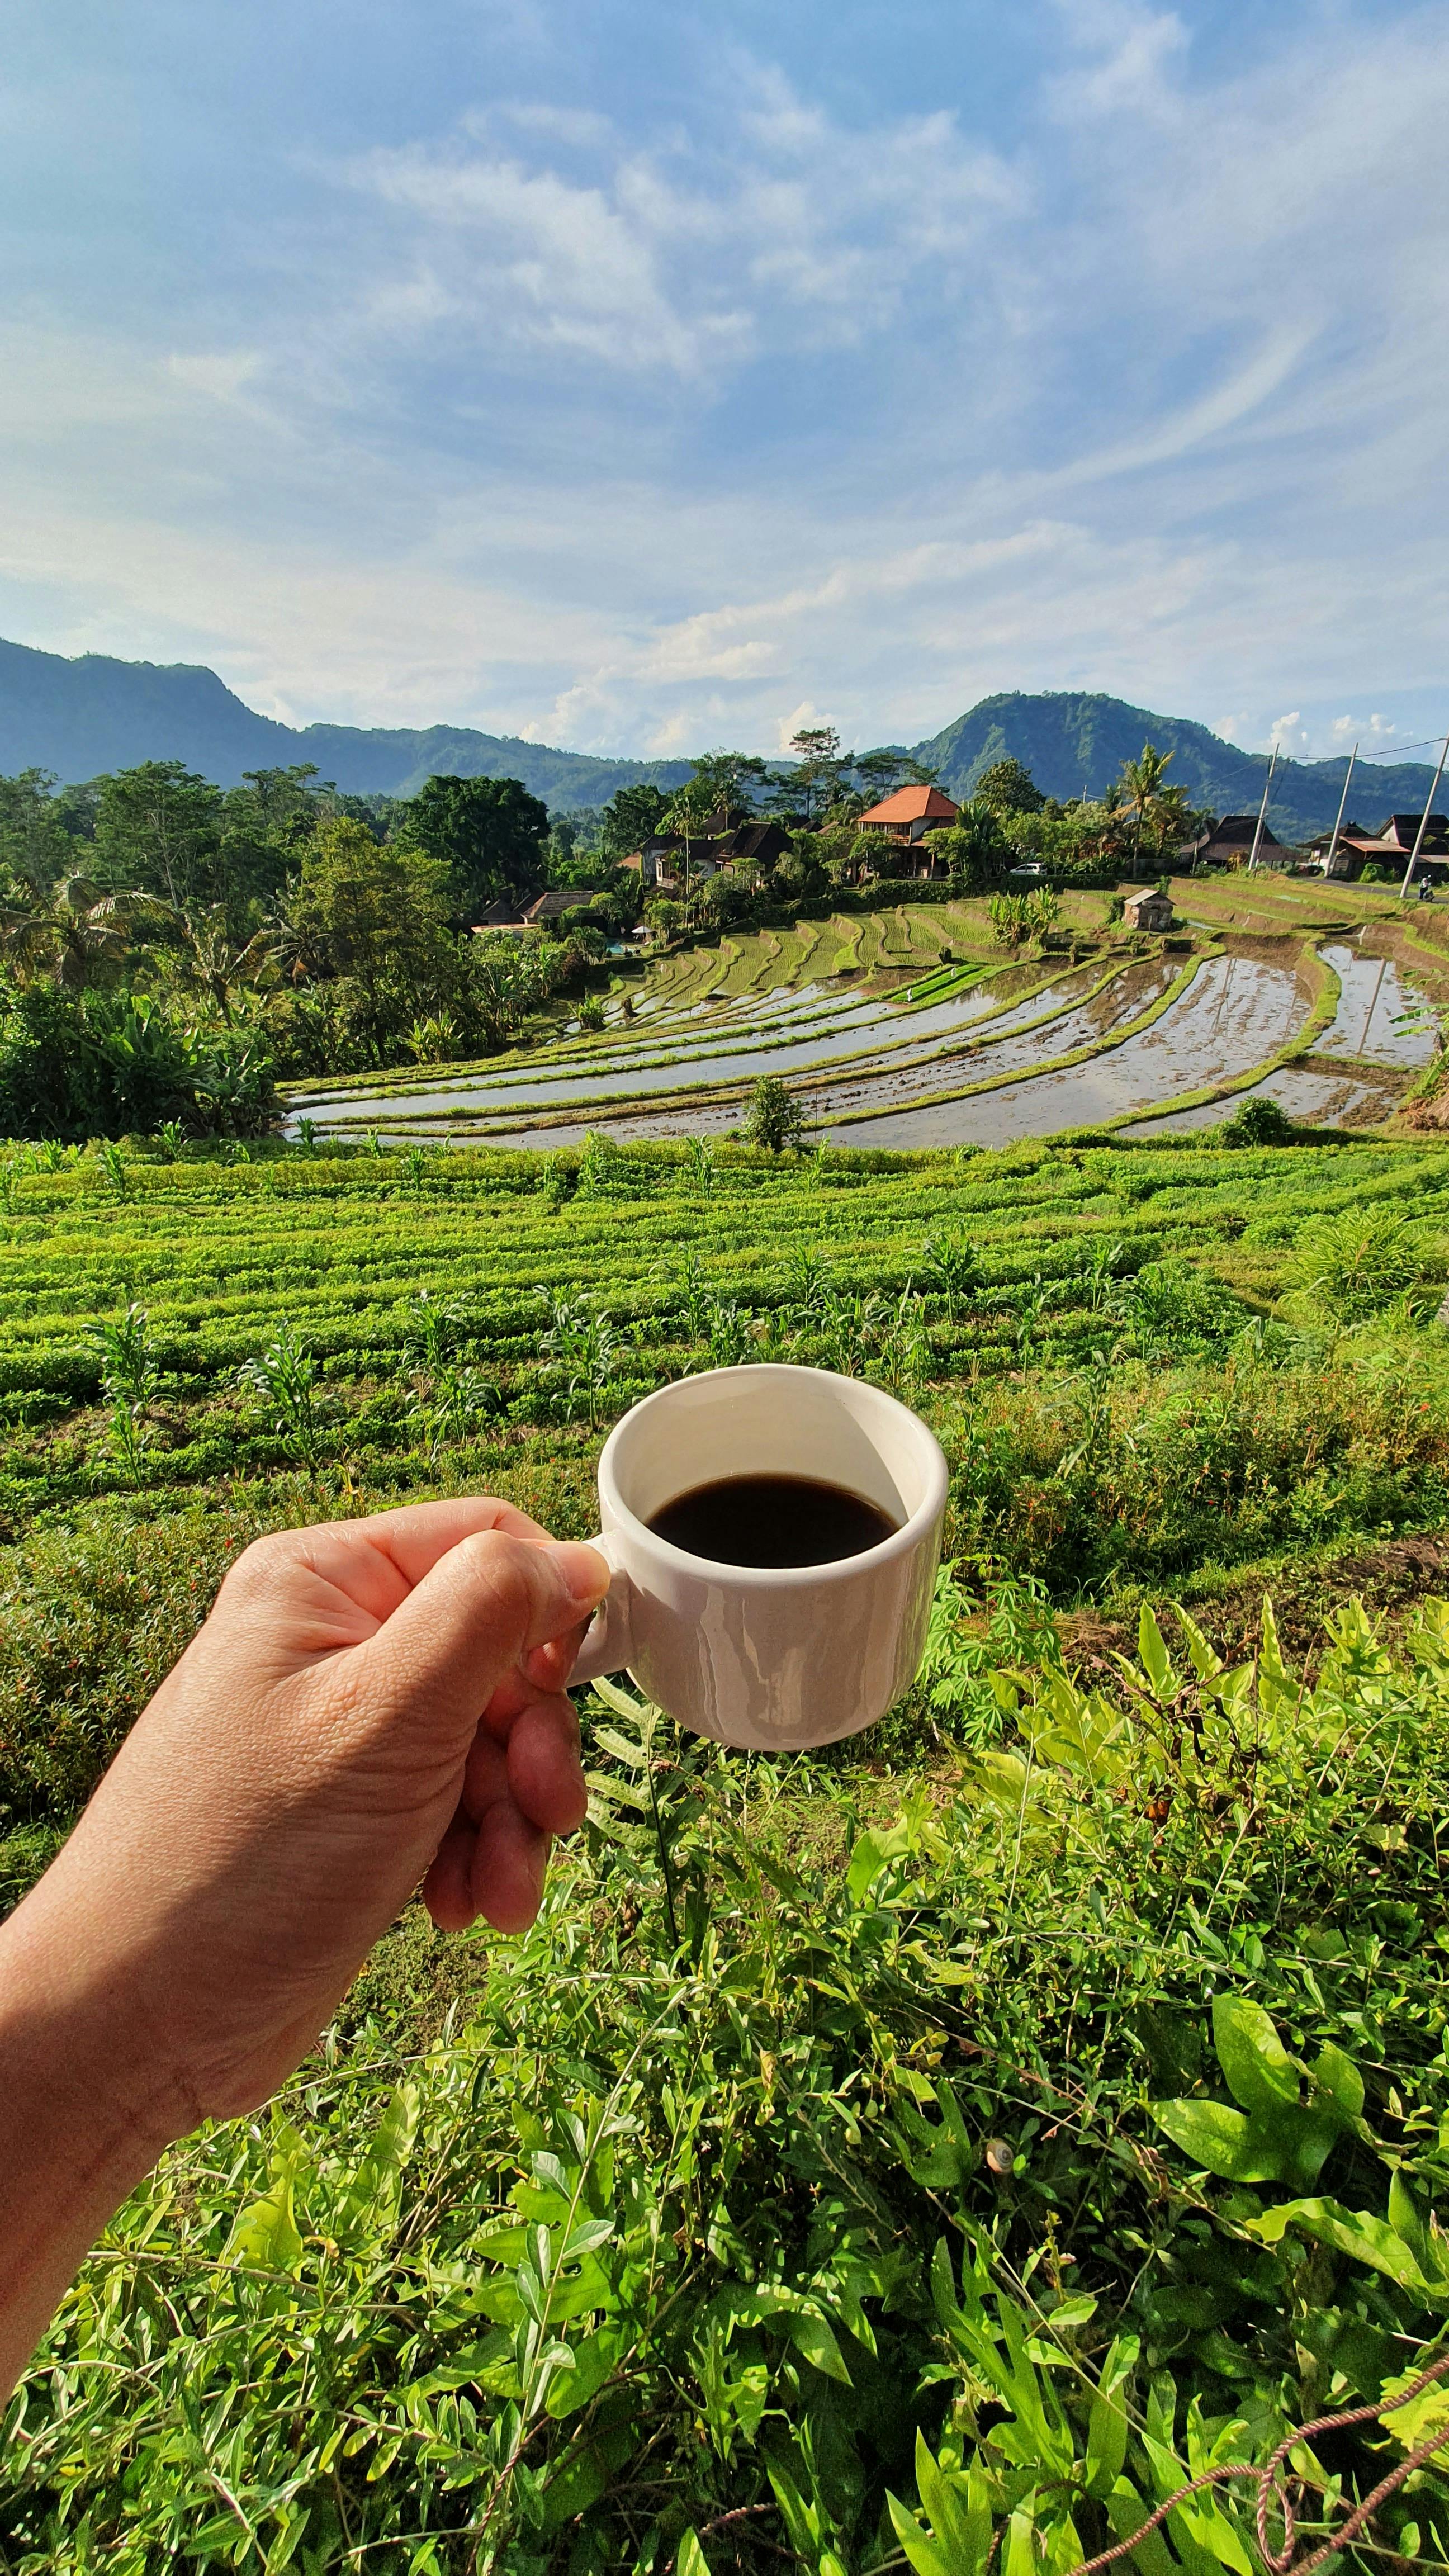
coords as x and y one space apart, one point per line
369 1701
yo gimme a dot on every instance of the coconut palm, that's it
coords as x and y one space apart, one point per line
80 932
1152 807
209 957
690 815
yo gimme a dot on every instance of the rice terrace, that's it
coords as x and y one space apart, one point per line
932 2152
910 1027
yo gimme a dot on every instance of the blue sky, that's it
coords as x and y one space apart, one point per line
644 380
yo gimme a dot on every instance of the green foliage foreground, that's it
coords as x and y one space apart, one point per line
852 2171
838 2194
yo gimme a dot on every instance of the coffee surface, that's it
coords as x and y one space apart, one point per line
772 1520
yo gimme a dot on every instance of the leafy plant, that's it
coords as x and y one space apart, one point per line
701 1161
581 1340
952 1270
1355 1265
284 1379
130 1378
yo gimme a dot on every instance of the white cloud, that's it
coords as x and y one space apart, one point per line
788 230
1151 402
1128 55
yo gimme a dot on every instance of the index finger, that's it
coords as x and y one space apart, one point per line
414 1538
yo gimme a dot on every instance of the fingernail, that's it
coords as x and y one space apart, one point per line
584 1571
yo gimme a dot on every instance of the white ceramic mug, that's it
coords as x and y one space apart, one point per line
772 1657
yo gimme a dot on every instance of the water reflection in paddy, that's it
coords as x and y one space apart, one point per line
1235 1012
576 1080
1373 999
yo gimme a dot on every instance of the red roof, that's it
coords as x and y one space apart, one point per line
914 805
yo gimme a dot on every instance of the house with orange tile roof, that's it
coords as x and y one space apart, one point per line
907 817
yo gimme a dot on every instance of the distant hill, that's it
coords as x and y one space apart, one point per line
1074 743
95 714
80 718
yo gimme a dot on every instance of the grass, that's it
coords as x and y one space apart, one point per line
873 2106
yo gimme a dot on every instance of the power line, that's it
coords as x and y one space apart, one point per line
1396 750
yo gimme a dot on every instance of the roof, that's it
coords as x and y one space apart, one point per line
559 899
914 805
1402 830
500 916
1237 829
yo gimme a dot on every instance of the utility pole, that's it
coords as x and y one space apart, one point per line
1423 824
1262 813
1342 809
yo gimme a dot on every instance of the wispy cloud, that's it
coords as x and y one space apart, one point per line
788 230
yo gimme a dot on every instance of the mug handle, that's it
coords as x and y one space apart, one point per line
607 1643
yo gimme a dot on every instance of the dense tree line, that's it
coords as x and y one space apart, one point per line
169 949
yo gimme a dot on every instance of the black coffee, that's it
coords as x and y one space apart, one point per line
772 1520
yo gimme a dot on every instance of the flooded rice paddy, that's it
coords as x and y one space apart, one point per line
965 1055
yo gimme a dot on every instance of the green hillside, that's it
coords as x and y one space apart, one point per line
95 714
839 2176
87 717
1074 743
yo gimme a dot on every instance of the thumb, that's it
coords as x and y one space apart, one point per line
449 1643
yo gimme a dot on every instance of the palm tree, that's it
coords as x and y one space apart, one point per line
79 932
1142 795
688 816
211 960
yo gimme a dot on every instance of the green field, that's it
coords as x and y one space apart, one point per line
830 2082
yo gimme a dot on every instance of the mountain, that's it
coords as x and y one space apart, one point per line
95 714
83 717
1074 744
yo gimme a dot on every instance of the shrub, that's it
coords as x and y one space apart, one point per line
1259 1122
116 1064
775 1118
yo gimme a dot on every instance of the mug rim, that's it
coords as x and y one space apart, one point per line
900 1541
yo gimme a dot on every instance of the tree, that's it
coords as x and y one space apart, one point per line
632 816
211 959
264 822
814 784
158 830
374 911
727 781
975 849
727 901
1157 813
35 847
1007 788
82 934
489 833
690 814
775 1118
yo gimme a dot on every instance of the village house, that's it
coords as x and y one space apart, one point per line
1390 846
1229 844
558 900
539 913
661 861
907 818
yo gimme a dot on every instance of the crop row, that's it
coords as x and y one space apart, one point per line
216 1257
